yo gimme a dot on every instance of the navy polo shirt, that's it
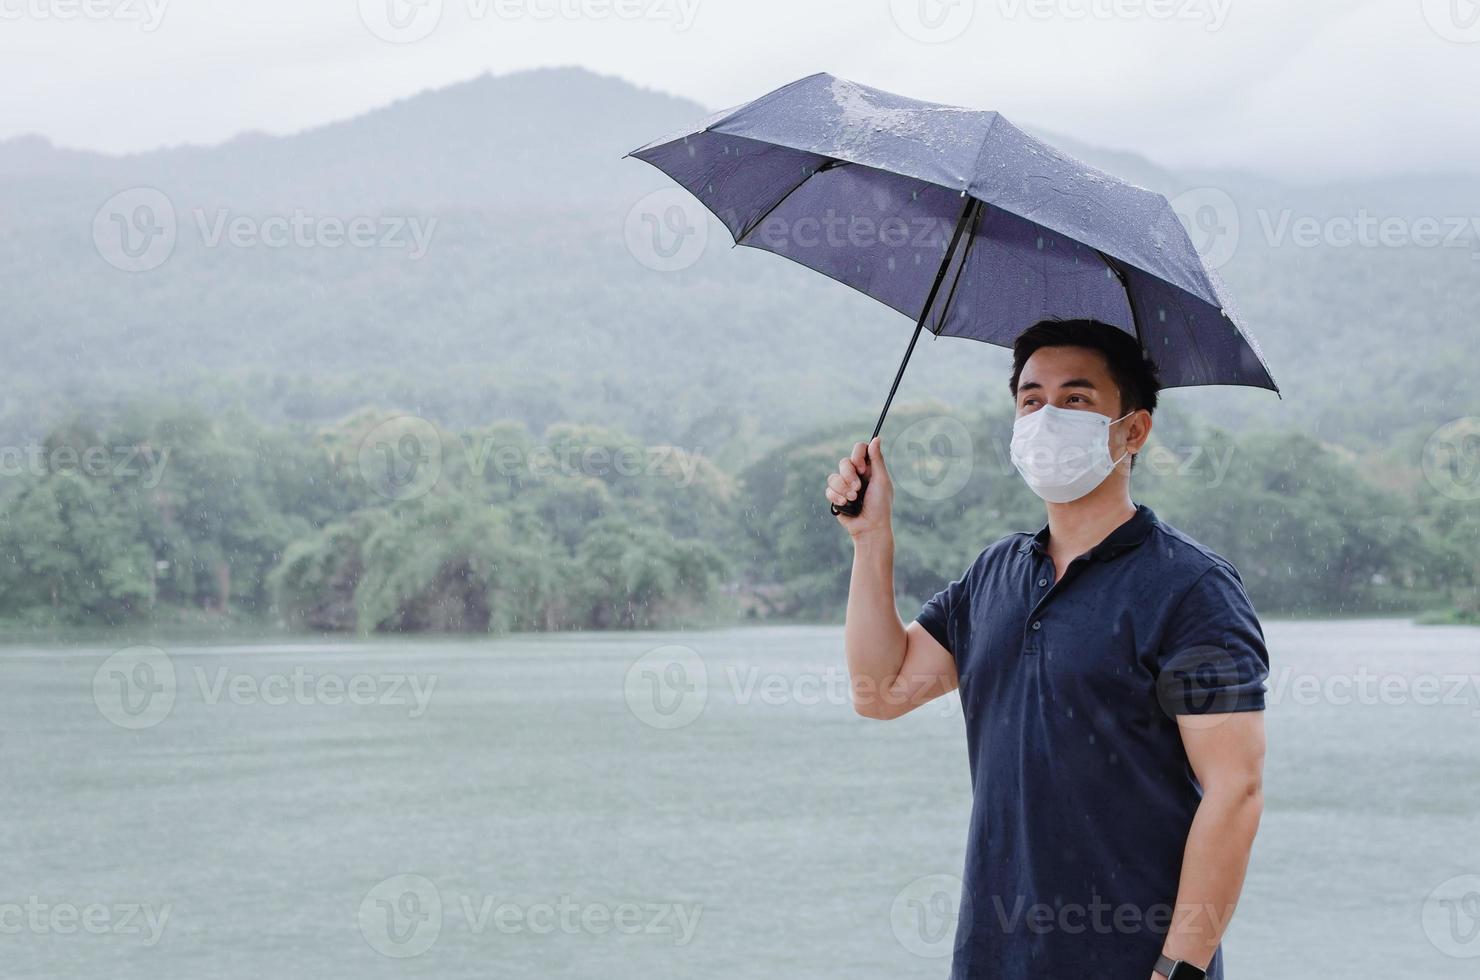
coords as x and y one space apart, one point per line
1082 792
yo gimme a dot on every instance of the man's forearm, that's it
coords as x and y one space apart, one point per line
872 634
1213 867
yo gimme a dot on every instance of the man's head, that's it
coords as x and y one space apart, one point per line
1086 365
1116 355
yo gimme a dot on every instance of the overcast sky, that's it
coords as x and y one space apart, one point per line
1302 88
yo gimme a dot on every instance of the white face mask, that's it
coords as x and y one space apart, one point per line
1063 453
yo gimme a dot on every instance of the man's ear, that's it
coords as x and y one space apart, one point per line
1137 431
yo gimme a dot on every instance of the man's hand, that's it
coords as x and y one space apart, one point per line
893 668
866 462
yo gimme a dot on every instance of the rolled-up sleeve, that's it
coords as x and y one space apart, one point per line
1212 658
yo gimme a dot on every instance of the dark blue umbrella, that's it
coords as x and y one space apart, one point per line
961 221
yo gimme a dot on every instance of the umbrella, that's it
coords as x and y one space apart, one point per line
961 221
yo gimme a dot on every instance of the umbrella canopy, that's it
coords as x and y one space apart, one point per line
961 221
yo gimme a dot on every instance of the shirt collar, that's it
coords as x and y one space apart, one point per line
1122 539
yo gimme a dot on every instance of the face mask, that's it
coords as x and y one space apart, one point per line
1062 453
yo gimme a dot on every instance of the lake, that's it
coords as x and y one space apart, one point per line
699 804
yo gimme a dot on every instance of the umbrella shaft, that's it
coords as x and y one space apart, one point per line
972 206
897 376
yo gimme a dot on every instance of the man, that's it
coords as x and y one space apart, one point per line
1111 672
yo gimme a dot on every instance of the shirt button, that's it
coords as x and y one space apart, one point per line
1042 582
1038 625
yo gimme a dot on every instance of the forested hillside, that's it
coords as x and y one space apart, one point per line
499 285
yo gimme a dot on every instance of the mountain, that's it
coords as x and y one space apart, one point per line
499 277
550 137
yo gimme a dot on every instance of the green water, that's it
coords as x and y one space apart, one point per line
560 822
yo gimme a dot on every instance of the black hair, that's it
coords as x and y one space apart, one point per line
1132 368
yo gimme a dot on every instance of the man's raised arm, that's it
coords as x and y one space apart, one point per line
893 669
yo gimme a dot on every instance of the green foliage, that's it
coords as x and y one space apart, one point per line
582 527
1308 530
74 553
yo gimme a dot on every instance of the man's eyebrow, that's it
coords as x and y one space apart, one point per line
1071 383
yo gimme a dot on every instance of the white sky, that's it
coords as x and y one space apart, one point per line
1302 88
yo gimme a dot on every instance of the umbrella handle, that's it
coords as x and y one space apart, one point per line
853 507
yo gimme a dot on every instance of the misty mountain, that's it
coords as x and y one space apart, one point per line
546 138
496 279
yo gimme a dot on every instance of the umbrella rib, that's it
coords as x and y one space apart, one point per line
961 223
1125 287
976 221
945 265
829 165
1192 344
